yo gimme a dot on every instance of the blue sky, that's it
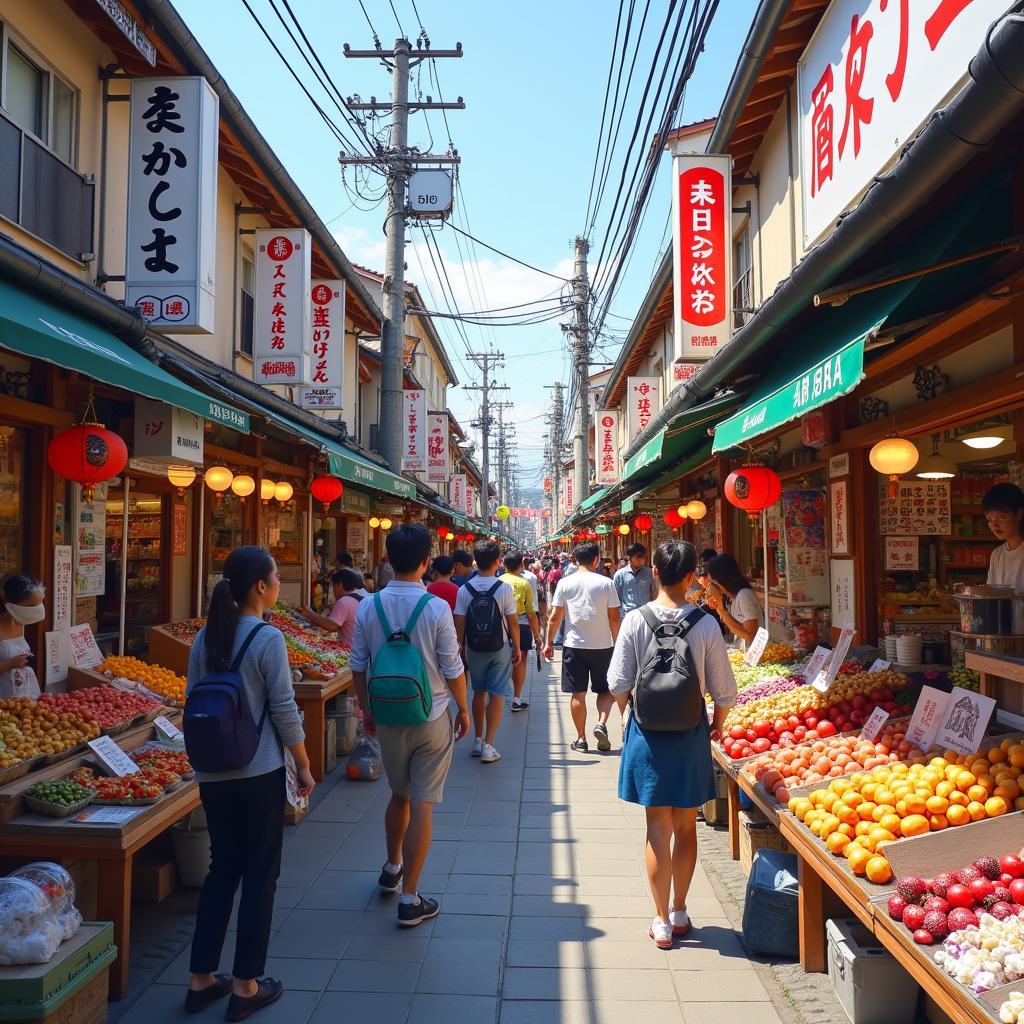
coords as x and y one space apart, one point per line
533 78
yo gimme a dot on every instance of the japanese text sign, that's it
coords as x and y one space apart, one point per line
470 499
457 491
879 665
921 508
606 445
113 760
840 518
327 349
684 371
901 553
873 726
872 73
414 430
166 729
827 676
166 434
85 652
172 203
281 319
965 721
757 646
63 578
702 246
438 451
927 717
643 401
570 500
56 656
819 659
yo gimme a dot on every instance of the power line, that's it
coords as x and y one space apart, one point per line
397 19
373 31
500 252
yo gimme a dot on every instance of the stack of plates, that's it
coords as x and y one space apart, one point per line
908 650
890 649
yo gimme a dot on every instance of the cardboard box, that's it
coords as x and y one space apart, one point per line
758 833
153 879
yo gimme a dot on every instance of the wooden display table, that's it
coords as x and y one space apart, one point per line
168 651
1001 678
312 697
113 847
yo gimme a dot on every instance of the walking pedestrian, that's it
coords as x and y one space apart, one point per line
245 805
729 594
442 585
409 632
346 585
485 620
634 583
536 569
464 570
666 764
384 575
523 586
590 607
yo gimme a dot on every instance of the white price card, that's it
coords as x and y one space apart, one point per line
111 757
84 651
819 659
927 717
873 726
966 719
824 679
167 729
880 665
108 815
756 649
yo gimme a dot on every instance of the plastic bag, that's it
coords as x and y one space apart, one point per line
59 887
29 931
365 763
291 782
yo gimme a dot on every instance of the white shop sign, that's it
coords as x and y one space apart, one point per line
281 306
756 649
327 352
170 271
438 452
414 424
166 434
606 446
869 78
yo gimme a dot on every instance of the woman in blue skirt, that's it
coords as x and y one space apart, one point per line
670 772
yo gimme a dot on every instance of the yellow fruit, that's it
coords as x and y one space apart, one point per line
995 805
978 793
914 825
837 843
937 804
976 809
877 870
858 858
958 815
937 822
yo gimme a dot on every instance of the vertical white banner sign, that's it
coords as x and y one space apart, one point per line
643 400
414 424
327 352
457 491
281 319
438 451
606 445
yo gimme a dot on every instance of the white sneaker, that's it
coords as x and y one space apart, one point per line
489 755
661 933
680 920
477 748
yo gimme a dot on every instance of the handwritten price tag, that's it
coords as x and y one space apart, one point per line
167 729
928 715
873 726
879 665
819 659
756 649
112 758
824 679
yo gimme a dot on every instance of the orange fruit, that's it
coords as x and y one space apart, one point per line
866 810
956 797
877 870
863 828
958 815
914 825
996 755
1009 791
915 804
977 792
837 843
937 804
937 822
964 780
976 809
995 805
858 858
891 822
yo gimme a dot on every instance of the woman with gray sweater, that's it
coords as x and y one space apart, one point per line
245 808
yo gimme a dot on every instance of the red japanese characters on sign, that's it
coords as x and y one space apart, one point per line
438 454
870 77
606 445
548 484
643 401
457 491
414 422
702 202
282 315
840 514
684 371
327 354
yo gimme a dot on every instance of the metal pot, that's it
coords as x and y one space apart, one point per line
987 609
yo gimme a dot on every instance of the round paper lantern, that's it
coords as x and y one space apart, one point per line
449 535
753 489
87 454
624 529
181 477
442 532
503 512
284 491
643 523
893 456
267 488
672 519
326 489
373 522
385 524
218 478
243 485
696 509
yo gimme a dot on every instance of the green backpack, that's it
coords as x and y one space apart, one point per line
398 686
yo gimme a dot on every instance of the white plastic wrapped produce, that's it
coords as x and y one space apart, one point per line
59 888
29 932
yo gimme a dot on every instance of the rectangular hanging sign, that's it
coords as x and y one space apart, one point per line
606 446
281 320
414 426
327 351
438 453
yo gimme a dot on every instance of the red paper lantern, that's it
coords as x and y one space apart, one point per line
87 454
672 519
326 490
442 532
753 489
643 523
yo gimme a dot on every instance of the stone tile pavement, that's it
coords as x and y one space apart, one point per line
544 908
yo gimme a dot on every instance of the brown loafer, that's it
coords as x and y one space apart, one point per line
241 1007
197 1000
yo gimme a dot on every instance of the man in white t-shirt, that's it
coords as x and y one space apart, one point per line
589 604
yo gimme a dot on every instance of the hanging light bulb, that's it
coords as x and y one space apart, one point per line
267 490
624 529
892 457
373 523
683 512
284 491
385 524
936 466
243 485
696 509
181 477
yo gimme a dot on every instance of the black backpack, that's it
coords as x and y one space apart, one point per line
485 630
668 696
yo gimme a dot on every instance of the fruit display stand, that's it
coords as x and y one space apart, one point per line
167 650
1001 676
25 837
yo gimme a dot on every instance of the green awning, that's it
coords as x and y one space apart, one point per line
592 500
820 383
44 330
357 470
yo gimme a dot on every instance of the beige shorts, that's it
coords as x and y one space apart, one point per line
417 757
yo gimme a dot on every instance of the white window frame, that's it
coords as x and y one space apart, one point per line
7 37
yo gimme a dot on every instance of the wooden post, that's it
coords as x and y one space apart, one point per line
114 903
811 915
734 818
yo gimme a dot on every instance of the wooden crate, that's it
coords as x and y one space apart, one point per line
168 651
758 833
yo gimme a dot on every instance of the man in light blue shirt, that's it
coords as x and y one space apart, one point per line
634 582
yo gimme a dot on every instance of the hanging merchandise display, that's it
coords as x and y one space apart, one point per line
88 453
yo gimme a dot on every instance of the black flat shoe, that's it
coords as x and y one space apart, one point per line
197 1001
241 1007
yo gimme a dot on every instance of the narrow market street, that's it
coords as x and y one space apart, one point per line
544 906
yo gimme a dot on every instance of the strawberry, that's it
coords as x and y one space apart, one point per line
969 874
911 888
913 917
1001 911
923 937
960 917
936 905
896 906
935 924
989 867
941 884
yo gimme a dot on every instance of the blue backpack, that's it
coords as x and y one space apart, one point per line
398 685
220 732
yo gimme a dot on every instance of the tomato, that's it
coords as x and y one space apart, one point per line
1011 864
1017 891
761 729
958 895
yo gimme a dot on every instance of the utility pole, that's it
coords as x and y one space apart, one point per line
487 361
396 162
579 331
505 431
556 444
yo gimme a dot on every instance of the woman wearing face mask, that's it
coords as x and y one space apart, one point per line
21 605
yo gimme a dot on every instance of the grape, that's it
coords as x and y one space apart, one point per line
965 678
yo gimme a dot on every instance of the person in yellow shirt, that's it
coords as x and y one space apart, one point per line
526 609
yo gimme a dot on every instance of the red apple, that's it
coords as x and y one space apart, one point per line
958 895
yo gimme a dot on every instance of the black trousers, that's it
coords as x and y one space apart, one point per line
246 822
